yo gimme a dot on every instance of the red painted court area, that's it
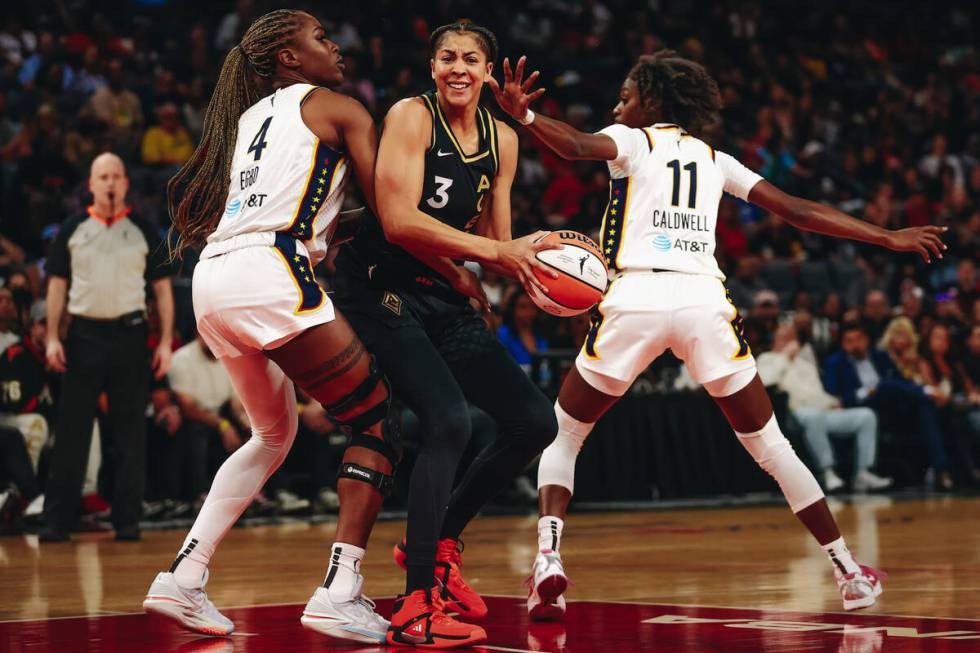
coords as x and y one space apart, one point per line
589 627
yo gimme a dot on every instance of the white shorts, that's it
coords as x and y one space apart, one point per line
645 313
257 297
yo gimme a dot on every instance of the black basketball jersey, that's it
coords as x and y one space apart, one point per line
456 183
454 190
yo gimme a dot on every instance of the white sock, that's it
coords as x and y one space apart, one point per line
345 565
841 557
549 533
191 563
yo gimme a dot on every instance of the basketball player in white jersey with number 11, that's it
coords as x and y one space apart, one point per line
658 236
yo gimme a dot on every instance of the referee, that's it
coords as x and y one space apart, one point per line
102 262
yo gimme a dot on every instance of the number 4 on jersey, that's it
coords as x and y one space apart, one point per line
259 143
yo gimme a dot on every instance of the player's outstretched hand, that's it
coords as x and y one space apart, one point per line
926 241
514 97
518 258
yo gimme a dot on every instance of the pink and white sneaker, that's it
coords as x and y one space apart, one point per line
860 589
545 587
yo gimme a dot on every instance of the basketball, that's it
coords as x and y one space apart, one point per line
581 274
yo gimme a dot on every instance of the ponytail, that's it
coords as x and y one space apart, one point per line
197 193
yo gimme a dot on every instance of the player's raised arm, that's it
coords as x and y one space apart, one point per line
822 219
399 181
567 142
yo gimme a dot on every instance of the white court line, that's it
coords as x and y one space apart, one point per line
742 607
110 613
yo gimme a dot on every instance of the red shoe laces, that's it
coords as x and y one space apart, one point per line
451 551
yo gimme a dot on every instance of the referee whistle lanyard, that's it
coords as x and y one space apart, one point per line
108 220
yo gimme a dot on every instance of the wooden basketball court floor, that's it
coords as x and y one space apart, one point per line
695 580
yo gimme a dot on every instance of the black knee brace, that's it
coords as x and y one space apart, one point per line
389 445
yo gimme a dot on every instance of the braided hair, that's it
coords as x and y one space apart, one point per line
196 194
485 38
686 93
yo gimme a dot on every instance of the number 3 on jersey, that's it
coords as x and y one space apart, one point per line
259 143
442 196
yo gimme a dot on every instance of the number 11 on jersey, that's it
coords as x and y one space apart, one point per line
692 193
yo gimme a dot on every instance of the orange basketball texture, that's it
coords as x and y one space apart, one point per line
581 274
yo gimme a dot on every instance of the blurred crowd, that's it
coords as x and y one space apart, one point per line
871 107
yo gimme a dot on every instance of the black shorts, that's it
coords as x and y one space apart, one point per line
381 314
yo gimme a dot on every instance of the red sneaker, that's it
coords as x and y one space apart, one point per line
93 504
419 619
455 591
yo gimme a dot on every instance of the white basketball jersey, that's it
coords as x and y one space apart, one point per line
283 179
663 200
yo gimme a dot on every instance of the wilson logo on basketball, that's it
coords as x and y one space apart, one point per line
582 274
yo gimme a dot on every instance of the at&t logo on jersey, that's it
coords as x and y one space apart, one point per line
662 243
233 207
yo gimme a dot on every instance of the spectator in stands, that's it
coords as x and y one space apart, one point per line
876 312
932 164
519 333
971 374
793 368
213 417
861 376
167 143
203 391
8 319
745 283
966 283
949 388
109 257
233 25
901 342
762 321
168 462
119 110
18 483
329 444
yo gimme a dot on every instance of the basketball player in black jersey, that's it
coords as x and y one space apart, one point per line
444 174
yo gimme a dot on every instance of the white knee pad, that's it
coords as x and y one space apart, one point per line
770 448
726 386
557 466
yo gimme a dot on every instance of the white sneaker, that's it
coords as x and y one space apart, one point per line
190 608
865 480
831 481
350 618
859 589
327 500
545 587
290 502
35 507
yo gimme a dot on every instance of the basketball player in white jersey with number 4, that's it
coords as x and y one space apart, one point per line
658 236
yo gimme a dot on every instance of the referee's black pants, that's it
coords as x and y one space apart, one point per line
111 356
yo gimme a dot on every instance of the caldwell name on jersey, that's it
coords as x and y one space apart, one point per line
663 200
454 189
283 179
